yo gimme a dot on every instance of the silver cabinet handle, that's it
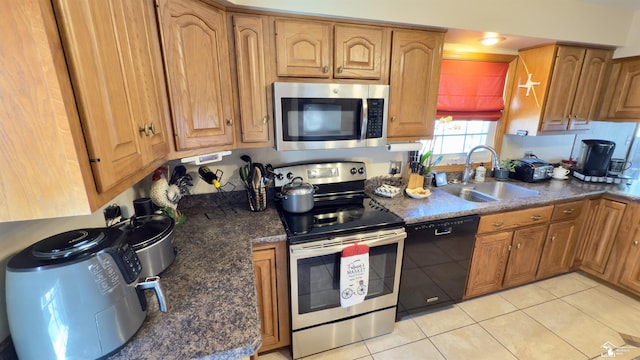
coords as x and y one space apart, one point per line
265 119
229 122
498 224
325 69
152 128
635 243
536 217
569 211
339 69
393 119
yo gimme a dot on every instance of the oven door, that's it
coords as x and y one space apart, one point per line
315 280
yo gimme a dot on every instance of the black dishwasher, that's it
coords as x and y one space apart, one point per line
435 263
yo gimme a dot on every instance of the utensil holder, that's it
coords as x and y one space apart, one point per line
257 198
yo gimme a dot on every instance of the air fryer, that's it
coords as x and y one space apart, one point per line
594 157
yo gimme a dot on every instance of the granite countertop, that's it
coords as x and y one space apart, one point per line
212 307
210 288
441 205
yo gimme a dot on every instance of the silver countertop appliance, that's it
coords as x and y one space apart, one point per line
532 169
76 295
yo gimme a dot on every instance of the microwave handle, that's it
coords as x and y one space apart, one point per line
365 119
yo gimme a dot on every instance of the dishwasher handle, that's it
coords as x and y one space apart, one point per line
443 231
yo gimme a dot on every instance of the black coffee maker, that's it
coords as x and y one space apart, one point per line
594 157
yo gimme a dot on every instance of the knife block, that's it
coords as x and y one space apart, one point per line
415 181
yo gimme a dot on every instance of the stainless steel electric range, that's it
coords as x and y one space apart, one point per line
342 216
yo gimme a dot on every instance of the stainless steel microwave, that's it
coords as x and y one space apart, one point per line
330 116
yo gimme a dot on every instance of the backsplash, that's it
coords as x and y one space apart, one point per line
554 148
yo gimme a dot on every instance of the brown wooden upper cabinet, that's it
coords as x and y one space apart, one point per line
194 35
622 96
250 41
416 57
557 88
330 51
114 57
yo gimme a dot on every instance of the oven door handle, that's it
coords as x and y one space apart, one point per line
321 250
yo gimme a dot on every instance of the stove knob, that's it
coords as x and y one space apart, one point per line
361 171
354 171
279 176
289 175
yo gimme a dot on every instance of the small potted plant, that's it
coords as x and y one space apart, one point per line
427 161
506 166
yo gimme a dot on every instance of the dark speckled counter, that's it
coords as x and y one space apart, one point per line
212 310
210 287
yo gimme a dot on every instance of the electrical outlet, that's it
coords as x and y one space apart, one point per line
111 213
395 167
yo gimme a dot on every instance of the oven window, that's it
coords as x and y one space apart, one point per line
313 119
319 280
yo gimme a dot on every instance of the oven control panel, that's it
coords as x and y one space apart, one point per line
321 173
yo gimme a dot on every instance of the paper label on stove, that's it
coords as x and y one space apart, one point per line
354 275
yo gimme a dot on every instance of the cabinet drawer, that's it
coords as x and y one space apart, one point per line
514 219
567 211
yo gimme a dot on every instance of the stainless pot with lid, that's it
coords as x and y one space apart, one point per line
297 196
151 237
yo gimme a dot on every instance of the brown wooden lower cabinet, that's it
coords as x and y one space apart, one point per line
524 255
272 285
562 237
488 263
559 247
507 249
602 224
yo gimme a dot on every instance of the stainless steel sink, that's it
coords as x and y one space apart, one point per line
489 191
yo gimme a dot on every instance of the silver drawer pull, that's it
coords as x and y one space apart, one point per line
536 217
569 211
498 224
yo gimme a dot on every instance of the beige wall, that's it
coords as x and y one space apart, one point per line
566 20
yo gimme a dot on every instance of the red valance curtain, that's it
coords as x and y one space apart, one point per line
471 90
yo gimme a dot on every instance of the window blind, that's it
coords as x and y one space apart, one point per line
471 90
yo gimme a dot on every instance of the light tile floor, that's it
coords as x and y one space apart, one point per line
562 318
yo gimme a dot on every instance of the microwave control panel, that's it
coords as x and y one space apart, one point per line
375 117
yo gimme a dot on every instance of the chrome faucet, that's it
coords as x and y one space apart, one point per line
467 170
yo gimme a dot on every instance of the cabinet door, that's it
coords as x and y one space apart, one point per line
413 85
630 274
303 48
603 222
564 81
529 89
249 33
589 90
270 266
41 173
524 255
559 248
488 263
117 82
622 98
197 62
359 52
147 70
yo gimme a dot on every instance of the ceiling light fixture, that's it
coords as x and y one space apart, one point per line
491 40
